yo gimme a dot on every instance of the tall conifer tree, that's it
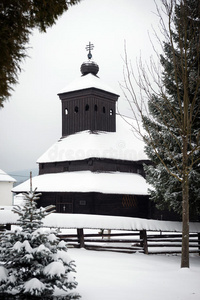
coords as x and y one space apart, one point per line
173 145
172 118
167 192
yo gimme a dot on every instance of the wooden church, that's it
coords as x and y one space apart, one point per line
96 167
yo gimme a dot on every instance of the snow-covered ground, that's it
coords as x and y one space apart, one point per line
117 276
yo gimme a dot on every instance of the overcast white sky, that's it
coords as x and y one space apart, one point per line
30 121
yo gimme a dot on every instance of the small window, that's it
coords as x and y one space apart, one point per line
95 107
82 202
66 111
76 109
87 107
111 112
104 110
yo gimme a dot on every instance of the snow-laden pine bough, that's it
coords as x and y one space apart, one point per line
34 262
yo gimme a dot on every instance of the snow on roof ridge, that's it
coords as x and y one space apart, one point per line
85 82
5 177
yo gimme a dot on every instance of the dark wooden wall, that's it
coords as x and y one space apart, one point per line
98 203
137 206
94 165
89 109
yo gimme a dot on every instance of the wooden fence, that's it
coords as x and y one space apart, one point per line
142 241
132 242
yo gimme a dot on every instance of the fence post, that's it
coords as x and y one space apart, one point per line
80 235
8 226
143 237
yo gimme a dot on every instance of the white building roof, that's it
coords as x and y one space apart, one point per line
5 177
87 181
122 144
85 82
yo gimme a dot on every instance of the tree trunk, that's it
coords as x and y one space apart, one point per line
185 211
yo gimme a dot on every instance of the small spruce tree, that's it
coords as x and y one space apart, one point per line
34 263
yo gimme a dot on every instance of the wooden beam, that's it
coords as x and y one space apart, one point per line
80 235
143 243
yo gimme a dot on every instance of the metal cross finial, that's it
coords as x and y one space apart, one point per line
89 48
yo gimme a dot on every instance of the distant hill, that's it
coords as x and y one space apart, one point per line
23 175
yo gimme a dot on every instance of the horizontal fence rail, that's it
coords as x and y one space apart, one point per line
140 241
115 242
172 243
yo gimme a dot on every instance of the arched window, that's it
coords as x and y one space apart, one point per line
111 112
66 111
104 109
76 109
95 107
87 107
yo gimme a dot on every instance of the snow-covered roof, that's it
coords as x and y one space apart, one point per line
57 220
85 82
5 177
123 144
87 181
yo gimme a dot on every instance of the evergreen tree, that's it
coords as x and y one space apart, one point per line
17 20
172 118
35 263
167 192
176 114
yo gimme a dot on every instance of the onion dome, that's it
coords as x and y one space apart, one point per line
89 67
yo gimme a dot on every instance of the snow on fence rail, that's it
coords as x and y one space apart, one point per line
135 239
76 221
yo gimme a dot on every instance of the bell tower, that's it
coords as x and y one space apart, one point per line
88 103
